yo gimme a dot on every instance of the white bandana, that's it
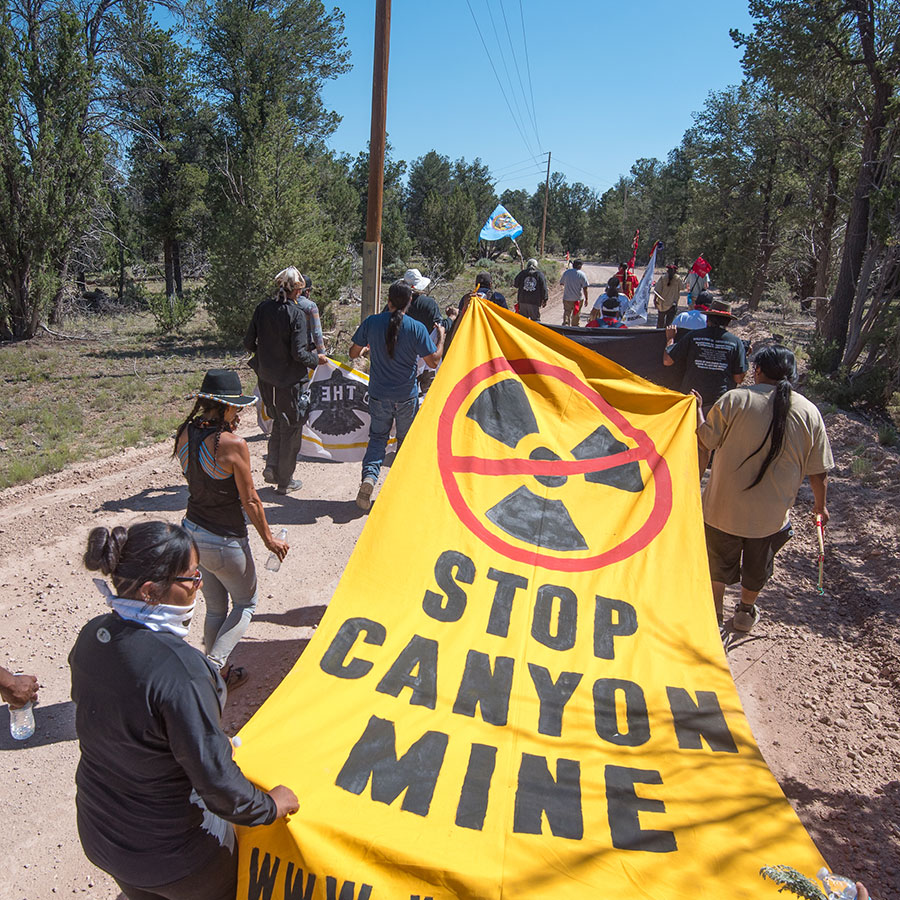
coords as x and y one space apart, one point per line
155 616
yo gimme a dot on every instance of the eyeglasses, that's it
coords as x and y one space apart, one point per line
196 578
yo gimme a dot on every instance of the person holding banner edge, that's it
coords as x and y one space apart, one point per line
395 340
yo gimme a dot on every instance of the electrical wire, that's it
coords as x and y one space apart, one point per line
528 70
501 56
499 82
593 175
515 58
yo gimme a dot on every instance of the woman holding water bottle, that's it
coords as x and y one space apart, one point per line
216 464
157 788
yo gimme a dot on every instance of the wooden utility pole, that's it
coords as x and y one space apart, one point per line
546 197
371 288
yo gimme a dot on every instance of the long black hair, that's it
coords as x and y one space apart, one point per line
210 412
148 551
399 295
777 364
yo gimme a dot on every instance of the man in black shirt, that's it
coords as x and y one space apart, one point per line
423 308
711 359
533 292
279 338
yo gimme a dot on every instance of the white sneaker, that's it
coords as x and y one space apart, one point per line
364 494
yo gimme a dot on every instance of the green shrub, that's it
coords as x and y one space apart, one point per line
170 311
888 436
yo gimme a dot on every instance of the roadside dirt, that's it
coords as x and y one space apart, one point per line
819 676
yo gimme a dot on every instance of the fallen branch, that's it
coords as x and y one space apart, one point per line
64 337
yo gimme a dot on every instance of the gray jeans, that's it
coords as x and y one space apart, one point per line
228 570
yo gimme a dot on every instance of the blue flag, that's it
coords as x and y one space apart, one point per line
500 224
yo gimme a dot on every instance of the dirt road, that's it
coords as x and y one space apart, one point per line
820 677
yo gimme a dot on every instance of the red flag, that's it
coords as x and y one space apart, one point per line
634 247
701 267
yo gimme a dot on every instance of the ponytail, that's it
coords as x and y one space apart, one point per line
399 297
777 364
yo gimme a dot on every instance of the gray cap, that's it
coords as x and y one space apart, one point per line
531 263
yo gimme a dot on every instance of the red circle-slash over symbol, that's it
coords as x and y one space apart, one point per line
452 465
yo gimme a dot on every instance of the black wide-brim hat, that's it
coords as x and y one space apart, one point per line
224 386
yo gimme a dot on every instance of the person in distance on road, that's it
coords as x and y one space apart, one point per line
532 291
575 288
158 791
609 315
667 293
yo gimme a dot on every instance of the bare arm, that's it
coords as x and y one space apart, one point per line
671 331
739 377
233 452
434 358
819 485
17 690
355 351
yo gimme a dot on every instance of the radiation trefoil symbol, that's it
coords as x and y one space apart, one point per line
555 497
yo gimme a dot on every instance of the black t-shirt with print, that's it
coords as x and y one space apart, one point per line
708 359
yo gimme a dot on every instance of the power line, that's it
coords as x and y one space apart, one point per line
528 70
516 164
593 175
515 57
501 55
499 83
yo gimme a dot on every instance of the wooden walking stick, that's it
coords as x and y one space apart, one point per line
820 531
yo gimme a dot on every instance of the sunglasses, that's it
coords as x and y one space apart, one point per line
196 578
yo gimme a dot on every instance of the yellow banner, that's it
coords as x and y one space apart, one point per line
519 688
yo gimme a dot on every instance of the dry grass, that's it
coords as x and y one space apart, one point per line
122 386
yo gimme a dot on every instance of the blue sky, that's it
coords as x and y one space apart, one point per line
589 61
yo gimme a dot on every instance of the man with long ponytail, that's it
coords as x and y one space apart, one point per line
767 439
395 341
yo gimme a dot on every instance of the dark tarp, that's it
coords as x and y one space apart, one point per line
639 350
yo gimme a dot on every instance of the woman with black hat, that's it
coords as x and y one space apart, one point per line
216 464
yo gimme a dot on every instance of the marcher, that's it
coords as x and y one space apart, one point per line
766 438
17 690
697 280
711 360
694 318
395 341
609 315
609 298
313 321
628 281
484 287
575 286
157 788
216 464
422 308
532 291
279 338
668 291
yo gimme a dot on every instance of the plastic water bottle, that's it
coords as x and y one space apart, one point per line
21 722
273 563
836 886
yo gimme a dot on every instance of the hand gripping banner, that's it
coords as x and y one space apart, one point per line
519 688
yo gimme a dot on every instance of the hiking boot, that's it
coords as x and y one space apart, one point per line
745 618
295 485
269 475
364 494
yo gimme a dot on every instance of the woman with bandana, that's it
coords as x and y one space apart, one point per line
157 788
216 464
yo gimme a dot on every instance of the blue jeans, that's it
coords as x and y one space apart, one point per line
228 569
383 414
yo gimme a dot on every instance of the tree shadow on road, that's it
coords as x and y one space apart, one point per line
853 831
168 498
299 617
